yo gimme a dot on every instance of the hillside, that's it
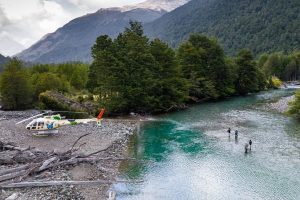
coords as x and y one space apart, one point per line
73 41
262 26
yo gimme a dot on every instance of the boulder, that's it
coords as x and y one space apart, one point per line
57 101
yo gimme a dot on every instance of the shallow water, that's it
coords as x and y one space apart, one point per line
188 154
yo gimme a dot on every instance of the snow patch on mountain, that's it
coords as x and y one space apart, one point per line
158 5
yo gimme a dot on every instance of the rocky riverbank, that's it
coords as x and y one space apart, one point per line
282 105
112 136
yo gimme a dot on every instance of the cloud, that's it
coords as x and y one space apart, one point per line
8 44
24 22
89 4
3 19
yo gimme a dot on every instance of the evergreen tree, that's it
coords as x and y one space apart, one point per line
169 88
203 63
100 70
247 81
15 87
133 75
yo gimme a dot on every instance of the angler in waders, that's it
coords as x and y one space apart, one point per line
250 143
229 132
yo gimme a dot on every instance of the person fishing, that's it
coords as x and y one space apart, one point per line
229 132
250 143
236 133
246 147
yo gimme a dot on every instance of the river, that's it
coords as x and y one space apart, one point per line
188 154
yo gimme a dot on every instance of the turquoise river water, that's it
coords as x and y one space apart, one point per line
188 154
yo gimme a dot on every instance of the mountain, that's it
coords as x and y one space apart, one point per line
262 26
73 41
3 61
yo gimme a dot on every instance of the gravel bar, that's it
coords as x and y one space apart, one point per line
113 133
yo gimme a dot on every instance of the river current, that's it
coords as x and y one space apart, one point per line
189 155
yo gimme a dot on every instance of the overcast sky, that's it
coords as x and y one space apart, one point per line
23 22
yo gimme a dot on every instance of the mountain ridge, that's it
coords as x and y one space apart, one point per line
74 40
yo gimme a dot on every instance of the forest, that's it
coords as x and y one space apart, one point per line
132 73
262 26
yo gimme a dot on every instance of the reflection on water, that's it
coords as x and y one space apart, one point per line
188 154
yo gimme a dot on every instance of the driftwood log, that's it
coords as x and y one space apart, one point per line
60 183
34 161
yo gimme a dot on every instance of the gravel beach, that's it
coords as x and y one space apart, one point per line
282 105
113 133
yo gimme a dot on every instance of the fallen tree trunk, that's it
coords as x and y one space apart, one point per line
13 175
14 157
52 183
47 163
16 169
74 161
51 163
61 183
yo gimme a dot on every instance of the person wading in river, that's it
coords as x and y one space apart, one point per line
236 134
229 132
250 143
246 147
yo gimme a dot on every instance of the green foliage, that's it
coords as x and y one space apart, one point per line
60 77
79 77
133 75
247 73
15 87
49 81
285 67
31 82
275 82
47 99
263 26
295 106
169 87
203 64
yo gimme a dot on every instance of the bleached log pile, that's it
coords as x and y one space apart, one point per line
30 161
